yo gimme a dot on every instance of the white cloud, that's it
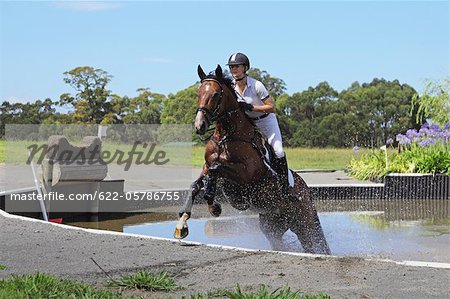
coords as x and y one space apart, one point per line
158 60
88 5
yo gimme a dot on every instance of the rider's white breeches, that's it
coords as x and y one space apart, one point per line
269 126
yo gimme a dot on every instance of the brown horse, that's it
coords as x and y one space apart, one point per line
234 157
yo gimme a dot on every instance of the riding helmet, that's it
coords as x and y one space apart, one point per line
238 59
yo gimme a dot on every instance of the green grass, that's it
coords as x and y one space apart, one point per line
262 293
144 280
320 158
302 158
2 151
46 286
42 285
3 267
17 153
298 158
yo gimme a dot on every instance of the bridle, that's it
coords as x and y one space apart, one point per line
214 115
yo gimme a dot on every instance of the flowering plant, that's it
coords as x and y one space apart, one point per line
424 151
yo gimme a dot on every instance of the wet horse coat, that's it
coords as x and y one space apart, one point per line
233 156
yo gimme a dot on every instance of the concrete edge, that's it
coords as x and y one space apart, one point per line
365 185
231 248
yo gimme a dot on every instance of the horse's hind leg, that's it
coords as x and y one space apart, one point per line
273 226
305 223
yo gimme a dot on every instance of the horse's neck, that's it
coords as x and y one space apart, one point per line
237 125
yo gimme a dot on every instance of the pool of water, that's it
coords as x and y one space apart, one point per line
395 229
363 234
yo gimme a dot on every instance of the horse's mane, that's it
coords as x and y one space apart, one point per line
228 82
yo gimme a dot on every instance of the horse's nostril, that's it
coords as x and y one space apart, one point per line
202 129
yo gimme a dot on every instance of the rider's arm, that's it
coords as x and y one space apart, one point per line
268 106
262 93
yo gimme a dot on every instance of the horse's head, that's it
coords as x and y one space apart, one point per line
210 96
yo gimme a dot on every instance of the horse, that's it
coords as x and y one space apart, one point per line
234 156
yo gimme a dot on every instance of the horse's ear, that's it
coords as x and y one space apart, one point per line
219 73
201 73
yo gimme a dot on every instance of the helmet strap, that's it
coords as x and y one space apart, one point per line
240 79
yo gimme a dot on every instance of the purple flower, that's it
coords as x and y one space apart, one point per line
426 142
425 125
355 149
402 139
434 127
390 141
447 127
412 134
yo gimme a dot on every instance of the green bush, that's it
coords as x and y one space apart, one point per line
425 151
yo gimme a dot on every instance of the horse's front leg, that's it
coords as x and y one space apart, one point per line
181 230
214 208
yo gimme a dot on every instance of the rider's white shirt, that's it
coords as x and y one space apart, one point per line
254 93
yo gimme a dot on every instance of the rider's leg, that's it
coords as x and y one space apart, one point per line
270 127
281 168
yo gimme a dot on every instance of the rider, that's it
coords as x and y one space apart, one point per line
254 98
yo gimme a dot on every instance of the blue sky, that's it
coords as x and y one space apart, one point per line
158 45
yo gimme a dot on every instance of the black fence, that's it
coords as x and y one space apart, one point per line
395 187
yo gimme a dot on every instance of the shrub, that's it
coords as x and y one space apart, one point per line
424 151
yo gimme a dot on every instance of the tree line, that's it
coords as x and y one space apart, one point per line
364 114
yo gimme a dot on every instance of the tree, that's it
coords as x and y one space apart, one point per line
92 101
146 108
380 108
306 110
275 86
434 103
180 107
25 113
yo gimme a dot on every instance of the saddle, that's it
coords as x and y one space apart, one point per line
267 152
268 156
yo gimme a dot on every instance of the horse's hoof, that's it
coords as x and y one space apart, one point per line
181 233
215 209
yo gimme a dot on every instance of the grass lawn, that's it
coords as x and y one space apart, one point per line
302 158
298 158
42 285
2 151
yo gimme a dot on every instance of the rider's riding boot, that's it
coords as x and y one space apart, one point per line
281 168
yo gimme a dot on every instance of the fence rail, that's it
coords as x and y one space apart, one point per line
394 187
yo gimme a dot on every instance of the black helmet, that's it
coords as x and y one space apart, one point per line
239 58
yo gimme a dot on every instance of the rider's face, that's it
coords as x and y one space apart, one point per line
237 71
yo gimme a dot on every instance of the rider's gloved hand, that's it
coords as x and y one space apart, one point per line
246 107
